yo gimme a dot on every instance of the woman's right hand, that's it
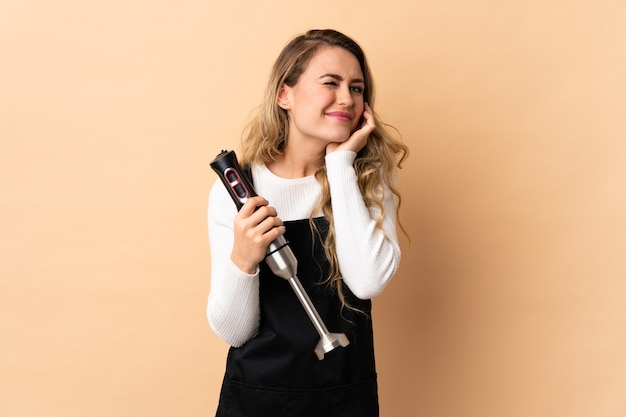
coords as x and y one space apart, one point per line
256 225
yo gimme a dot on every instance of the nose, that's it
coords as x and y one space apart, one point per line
344 96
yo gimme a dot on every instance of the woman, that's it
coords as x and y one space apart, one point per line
324 166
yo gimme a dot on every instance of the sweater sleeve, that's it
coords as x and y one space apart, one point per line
368 257
233 308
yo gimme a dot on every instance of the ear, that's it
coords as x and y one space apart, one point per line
284 99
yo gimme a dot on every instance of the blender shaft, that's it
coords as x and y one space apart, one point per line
308 306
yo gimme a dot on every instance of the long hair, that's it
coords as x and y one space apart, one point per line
264 138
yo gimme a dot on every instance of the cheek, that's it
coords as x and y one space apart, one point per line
359 118
357 123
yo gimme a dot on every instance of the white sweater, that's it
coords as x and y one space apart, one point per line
368 258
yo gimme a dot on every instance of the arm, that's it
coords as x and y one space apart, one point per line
233 304
368 257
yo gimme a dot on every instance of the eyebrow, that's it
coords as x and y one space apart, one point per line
340 78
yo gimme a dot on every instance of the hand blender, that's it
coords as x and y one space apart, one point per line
279 257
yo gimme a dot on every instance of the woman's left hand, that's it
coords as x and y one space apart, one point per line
358 139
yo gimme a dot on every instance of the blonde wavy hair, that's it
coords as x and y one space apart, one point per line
265 136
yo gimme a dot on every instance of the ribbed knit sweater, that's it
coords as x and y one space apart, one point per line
368 257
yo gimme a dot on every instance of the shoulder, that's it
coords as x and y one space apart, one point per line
221 204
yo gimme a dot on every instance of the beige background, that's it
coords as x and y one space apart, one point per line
511 297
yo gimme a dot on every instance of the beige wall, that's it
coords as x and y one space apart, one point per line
511 300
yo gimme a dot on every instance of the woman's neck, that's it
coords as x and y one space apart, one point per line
298 163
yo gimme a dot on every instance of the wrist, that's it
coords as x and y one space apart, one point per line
244 265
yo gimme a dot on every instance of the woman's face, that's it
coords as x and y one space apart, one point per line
326 103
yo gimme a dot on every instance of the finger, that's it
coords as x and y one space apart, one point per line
275 232
368 119
262 213
270 223
272 233
252 204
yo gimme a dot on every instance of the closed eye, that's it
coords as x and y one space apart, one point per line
357 85
353 88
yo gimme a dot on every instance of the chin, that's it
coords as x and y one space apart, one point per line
333 136
339 138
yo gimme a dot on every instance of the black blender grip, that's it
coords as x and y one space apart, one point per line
237 183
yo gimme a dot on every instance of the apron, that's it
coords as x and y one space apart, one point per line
276 373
